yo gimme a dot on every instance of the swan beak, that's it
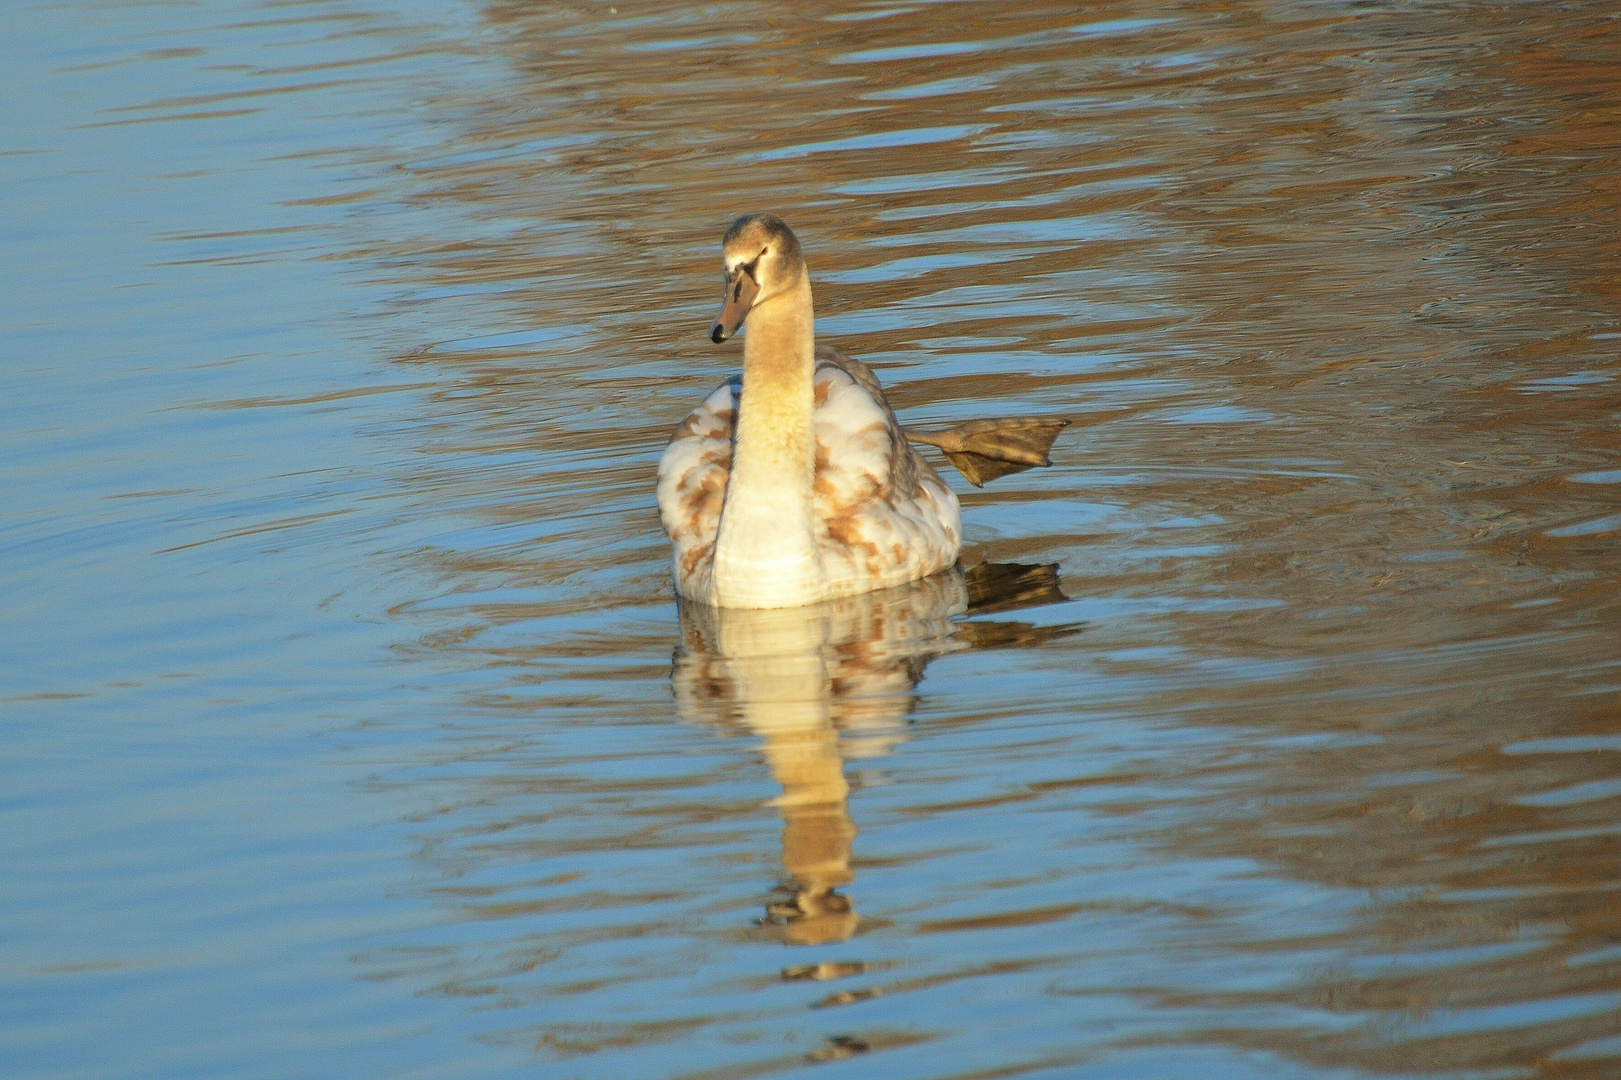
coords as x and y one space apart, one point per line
740 293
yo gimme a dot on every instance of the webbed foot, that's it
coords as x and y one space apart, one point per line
983 450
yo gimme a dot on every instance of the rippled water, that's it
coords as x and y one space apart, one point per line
351 726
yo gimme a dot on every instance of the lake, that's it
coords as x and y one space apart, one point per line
352 727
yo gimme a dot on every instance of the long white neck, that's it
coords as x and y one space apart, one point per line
765 553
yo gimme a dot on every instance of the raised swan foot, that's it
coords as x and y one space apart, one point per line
986 449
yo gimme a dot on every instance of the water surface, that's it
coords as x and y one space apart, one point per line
352 727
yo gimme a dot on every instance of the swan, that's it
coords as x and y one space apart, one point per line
795 484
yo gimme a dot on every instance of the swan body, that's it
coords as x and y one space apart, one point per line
795 484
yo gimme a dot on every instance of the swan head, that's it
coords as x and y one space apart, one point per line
762 261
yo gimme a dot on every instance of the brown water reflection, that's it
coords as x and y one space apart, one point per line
1329 784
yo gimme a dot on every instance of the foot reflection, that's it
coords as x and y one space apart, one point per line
830 682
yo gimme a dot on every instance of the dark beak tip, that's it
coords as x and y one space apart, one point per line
717 333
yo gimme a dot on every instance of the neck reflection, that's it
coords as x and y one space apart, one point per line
830 682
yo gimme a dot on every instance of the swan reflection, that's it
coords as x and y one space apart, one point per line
832 682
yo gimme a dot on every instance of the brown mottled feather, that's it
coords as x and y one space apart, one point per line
907 461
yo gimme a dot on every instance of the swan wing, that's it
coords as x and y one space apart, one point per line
692 484
884 515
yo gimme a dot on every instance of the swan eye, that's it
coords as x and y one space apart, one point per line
748 268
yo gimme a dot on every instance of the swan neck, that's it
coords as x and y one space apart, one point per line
766 547
775 435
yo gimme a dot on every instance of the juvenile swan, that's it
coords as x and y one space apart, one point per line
795 484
